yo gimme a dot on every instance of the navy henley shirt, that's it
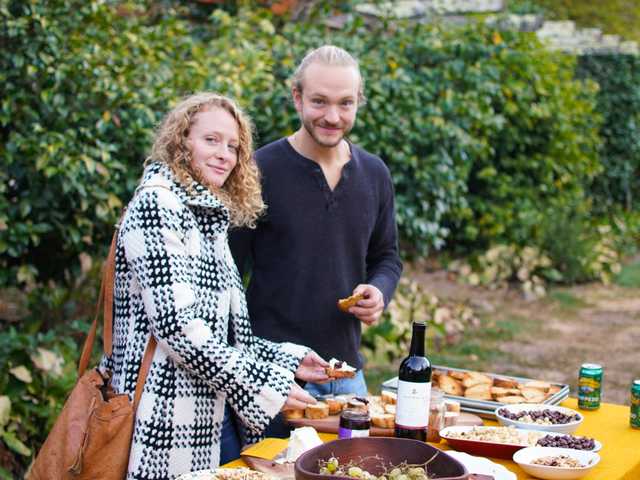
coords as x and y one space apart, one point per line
314 245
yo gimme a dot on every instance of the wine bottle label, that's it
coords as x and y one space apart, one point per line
412 410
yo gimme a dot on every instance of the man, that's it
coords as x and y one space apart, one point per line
329 231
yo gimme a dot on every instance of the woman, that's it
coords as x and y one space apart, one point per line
176 280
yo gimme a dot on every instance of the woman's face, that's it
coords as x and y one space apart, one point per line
214 140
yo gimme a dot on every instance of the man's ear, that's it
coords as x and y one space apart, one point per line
297 98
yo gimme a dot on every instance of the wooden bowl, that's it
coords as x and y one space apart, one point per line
392 451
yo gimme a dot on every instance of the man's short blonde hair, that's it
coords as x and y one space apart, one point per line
332 56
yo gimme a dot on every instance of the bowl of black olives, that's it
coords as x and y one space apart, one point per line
547 418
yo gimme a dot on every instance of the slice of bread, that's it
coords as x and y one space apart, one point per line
294 414
390 408
317 411
503 392
336 405
511 399
450 385
457 375
333 373
481 391
532 394
538 385
452 406
505 383
339 369
389 398
474 378
345 304
384 420
358 404
553 390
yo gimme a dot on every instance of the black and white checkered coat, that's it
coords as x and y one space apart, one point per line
175 278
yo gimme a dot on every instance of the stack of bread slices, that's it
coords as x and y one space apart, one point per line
481 386
382 410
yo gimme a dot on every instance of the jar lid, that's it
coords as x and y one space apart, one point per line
354 414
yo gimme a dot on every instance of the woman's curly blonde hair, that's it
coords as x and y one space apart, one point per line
241 193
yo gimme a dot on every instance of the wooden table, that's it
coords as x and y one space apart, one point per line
620 454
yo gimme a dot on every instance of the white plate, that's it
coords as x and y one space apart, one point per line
529 407
525 456
482 465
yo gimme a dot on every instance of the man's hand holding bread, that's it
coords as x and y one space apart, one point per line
369 303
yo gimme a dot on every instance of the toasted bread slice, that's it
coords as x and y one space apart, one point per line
505 383
474 378
553 390
316 411
481 391
333 373
511 399
503 392
294 414
389 398
339 369
345 304
450 385
452 406
531 393
538 385
389 408
336 405
359 404
384 420
457 375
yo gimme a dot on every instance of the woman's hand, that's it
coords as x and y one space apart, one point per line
312 368
298 398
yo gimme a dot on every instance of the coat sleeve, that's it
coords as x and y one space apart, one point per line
182 320
286 354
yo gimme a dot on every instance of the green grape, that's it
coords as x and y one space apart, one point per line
355 472
416 471
395 473
403 477
332 466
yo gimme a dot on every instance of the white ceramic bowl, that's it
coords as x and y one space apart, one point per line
529 407
525 456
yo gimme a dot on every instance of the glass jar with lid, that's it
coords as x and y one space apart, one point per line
354 423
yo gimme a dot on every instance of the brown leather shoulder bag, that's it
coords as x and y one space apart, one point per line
91 438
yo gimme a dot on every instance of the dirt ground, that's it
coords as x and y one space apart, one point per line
587 323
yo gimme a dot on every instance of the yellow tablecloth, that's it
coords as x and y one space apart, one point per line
620 454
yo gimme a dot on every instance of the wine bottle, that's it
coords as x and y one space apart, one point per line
414 389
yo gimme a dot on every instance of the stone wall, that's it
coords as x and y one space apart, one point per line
558 35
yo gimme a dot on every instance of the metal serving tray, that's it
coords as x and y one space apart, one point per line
485 408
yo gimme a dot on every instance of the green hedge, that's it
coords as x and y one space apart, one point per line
84 86
619 103
482 132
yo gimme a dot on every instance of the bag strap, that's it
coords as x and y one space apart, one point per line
105 303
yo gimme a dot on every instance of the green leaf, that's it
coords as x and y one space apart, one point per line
15 444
